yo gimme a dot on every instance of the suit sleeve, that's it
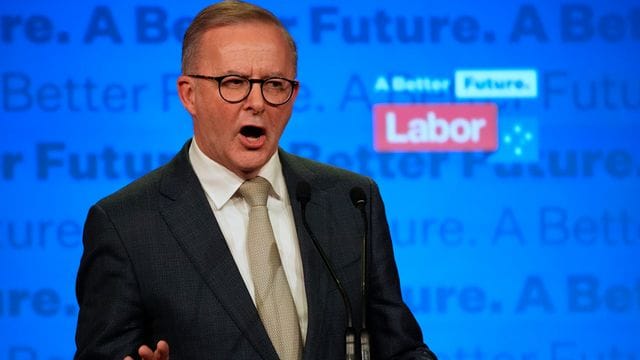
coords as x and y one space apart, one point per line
110 321
394 331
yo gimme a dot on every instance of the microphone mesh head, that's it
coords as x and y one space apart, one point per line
358 197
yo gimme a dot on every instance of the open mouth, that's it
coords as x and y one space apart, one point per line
251 131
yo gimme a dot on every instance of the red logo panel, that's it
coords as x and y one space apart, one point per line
435 127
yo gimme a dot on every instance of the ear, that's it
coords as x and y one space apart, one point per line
187 93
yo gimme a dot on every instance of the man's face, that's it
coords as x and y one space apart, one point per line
241 136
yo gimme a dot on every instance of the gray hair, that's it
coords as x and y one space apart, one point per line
229 12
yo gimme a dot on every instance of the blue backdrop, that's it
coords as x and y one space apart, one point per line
527 252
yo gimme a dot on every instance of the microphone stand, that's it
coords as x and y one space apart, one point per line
359 200
304 195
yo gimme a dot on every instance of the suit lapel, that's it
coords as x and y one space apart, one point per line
316 277
193 224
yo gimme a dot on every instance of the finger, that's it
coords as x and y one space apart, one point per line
162 350
145 352
128 358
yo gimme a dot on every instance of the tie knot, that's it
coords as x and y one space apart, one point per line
255 191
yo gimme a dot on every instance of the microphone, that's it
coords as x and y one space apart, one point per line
303 194
359 200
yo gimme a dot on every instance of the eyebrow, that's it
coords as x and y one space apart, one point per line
240 73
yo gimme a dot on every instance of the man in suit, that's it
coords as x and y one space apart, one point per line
168 263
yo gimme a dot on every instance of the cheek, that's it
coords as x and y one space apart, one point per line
283 119
282 126
215 121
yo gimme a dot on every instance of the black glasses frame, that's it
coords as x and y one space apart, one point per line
219 79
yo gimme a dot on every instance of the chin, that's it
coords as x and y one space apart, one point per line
250 167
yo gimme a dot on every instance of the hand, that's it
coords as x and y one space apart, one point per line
161 353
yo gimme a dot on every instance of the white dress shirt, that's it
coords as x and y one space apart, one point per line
232 213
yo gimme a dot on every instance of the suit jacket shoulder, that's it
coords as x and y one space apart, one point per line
169 180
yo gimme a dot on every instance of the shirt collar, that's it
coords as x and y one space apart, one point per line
220 184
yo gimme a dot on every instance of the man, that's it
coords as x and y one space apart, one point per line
170 261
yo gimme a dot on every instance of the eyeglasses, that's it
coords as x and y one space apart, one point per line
235 88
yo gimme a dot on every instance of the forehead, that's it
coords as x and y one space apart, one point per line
254 45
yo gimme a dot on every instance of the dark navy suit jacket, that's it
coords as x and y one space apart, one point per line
156 266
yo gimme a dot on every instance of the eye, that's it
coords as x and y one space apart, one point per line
233 82
276 84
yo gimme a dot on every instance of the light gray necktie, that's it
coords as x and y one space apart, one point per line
272 293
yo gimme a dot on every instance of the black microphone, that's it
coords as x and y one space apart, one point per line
303 194
359 200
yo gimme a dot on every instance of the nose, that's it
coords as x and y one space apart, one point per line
254 100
